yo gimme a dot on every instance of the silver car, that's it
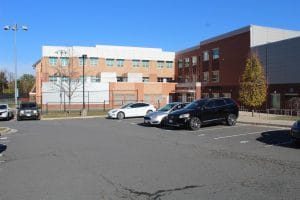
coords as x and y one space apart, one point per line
158 117
6 112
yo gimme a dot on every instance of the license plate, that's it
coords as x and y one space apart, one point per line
28 115
170 121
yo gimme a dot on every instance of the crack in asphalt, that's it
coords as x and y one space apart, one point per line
129 193
160 193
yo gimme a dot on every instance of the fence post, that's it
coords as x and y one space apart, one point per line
104 105
88 100
158 103
46 108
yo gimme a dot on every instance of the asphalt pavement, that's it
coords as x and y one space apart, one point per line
123 159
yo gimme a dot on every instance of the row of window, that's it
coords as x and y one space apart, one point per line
215 77
205 57
110 62
97 79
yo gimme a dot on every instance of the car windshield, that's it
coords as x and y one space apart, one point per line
196 104
28 105
126 105
3 106
167 107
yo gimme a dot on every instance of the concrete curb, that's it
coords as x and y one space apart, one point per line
66 118
265 124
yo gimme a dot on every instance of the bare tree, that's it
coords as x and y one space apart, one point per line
69 79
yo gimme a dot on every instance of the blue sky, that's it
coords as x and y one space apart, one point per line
168 24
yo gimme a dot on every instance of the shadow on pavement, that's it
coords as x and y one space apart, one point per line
2 148
278 138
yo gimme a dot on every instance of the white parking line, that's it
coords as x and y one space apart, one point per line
217 128
3 138
243 134
244 141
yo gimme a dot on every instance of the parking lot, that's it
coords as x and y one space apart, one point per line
123 159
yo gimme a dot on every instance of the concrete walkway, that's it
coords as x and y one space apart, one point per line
264 119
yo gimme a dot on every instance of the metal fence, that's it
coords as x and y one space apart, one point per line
95 100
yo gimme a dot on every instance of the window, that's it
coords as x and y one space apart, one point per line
120 62
187 62
205 76
194 60
65 79
64 61
53 61
180 63
205 95
215 53
109 62
135 63
160 64
145 79
169 64
164 79
53 78
227 95
145 63
93 61
121 79
81 78
81 61
215 76
205 55
95 79
215 95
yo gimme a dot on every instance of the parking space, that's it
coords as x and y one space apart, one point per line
121 154
241 137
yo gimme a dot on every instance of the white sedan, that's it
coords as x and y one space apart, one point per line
6 112
131 110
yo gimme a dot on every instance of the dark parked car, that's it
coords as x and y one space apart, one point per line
295 131
205 111
28 110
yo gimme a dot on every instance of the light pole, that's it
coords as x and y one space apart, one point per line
15 28
84 56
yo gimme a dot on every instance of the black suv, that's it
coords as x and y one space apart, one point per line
28 110
205 111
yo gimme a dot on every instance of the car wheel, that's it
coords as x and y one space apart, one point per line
120 115
231 120
163 122
195 123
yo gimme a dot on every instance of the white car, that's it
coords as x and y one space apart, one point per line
131 110
6 112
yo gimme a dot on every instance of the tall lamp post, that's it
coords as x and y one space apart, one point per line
84 56
15 28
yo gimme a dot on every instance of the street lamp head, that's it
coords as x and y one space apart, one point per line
84 56
25 28
7 27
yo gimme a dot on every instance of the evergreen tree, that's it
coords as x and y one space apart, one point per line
253 85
